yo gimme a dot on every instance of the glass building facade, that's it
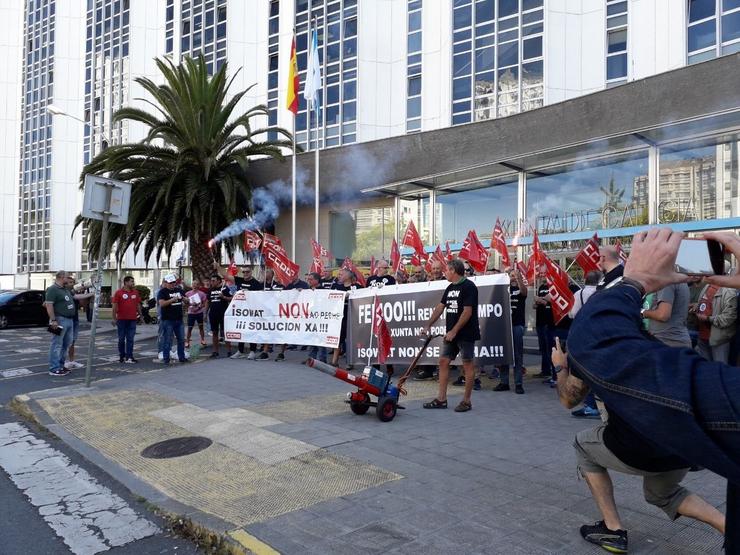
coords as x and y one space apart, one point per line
497 58
713 29
616 42
203 31
336 22
273 61
34 195
413 67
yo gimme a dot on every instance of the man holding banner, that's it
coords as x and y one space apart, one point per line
460 300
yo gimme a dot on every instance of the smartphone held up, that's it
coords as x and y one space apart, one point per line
700 257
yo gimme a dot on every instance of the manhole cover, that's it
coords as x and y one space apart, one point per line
176 447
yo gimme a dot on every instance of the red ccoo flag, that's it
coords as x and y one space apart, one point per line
395 257
561 297
498 243
589 257
522 267
318 249
474 252
448 251
438 256
418 259
620 252
252 241
268 239
380 329
411 239
372 265
317 266
349 265
276 258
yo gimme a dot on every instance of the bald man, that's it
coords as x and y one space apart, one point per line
381 276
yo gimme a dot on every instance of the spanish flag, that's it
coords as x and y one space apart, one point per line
293 81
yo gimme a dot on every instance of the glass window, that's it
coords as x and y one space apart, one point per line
702 35
616 66
483 11
617 41
508 54
698 183
484 59
462 17
700 9
731 26
532 48
531 4
414 42
414 87
461 88
728 5
413 107
415 21
461 64
350 111
589 195
333 32
332 94
473 207
619 7
332 114
350 27
507 7
350 90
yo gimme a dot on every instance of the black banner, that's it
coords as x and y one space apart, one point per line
407 309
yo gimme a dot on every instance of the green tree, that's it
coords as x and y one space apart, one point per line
369 242
190 174
613 194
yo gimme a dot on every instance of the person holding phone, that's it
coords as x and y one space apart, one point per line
716 311
681 403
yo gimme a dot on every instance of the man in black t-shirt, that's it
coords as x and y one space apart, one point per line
381 277
617 446
247 283
218 302
327 279
518 295
345 282
460 300
170 302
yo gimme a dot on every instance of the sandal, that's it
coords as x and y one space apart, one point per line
187 344
436 404
463 407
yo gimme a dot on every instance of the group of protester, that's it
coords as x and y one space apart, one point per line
644 348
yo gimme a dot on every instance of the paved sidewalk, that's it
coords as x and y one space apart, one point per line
292 468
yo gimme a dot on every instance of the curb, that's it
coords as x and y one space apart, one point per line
238 541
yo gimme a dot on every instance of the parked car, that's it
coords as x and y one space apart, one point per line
22 308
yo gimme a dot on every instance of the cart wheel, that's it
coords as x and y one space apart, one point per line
386 409
360 407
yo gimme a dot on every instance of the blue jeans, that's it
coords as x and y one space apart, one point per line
518 332
126 332
678 400
318 353
545 342
168 328
60 343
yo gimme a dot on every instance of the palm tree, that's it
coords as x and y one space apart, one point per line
612 194
190 174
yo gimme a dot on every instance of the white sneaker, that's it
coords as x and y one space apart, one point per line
237 355
75 364
252 355
68 366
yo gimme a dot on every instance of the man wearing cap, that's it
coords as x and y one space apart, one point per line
170 298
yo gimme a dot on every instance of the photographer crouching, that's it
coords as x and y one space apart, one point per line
680 407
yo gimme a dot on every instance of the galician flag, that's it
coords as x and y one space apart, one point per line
313 75
293 81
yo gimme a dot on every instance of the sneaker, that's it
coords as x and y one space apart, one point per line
237 355
252 355
476 387
586 412
263 356
280 357
423 375
59 372
74 364
459 381
184 360
614 541
132 360
463 407
551 382
519 390
121 360
502 387
158 360
215 355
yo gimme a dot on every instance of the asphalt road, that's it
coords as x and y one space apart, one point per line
24 368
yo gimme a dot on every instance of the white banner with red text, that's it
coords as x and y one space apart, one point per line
296 317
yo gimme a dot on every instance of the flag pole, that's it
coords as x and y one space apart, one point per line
372 328
293 178
317 108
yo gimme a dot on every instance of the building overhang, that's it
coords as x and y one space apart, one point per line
698 102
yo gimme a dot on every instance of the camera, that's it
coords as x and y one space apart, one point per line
83 286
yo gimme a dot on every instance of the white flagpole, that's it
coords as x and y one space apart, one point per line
292 241
316 179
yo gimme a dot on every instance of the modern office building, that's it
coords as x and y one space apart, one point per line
565 116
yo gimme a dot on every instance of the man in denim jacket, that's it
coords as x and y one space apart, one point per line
682 403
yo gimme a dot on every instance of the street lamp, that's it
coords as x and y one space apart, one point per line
57 111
